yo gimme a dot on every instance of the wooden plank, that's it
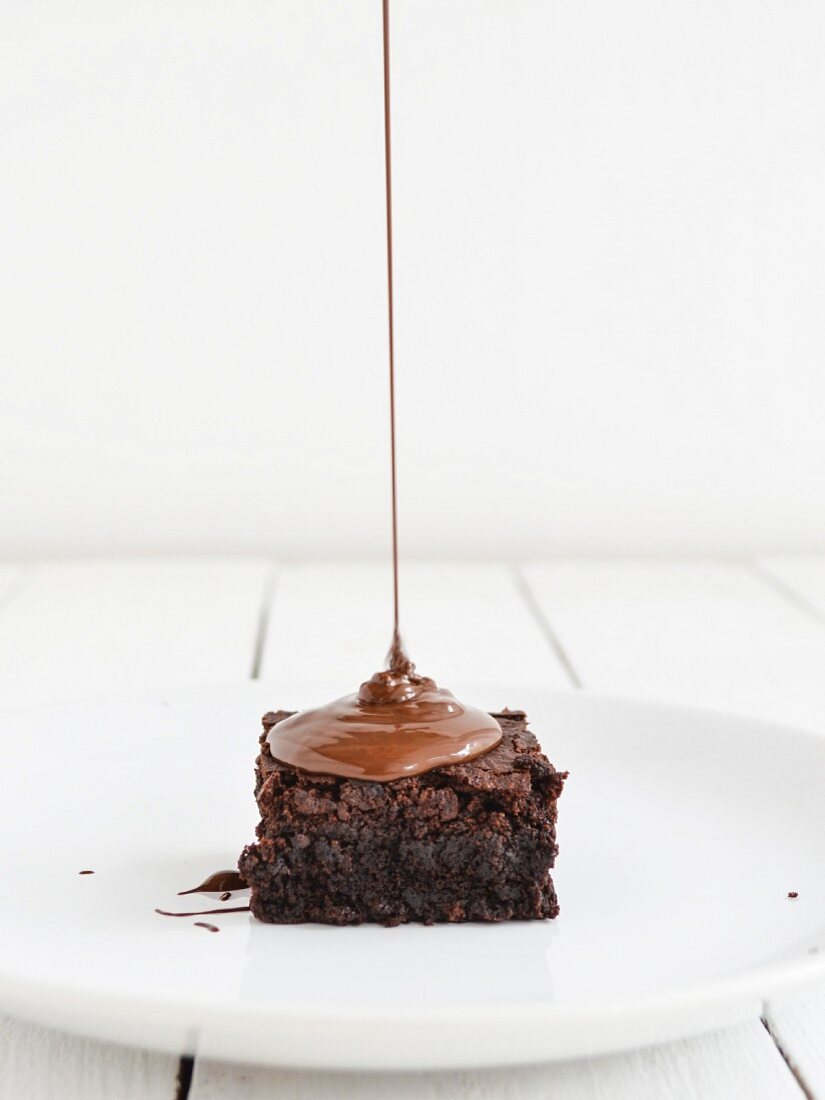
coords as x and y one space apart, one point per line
800 578
74 629
799 1030
11 577
706 633
89 627
710 634
799 1027
740 1062
463 624
38 1062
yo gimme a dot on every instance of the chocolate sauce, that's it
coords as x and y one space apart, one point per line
208 927
396 650
220 880
225 896
399 723
205 912
85 872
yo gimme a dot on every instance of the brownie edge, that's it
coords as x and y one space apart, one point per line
466 842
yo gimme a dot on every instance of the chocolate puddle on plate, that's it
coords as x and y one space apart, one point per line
206 912
220 880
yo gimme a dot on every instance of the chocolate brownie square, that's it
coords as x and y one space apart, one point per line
469 842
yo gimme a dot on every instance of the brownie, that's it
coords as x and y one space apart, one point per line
468 842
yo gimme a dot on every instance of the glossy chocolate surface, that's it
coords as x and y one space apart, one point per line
397 724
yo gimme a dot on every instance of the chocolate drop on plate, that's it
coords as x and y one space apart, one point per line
208 927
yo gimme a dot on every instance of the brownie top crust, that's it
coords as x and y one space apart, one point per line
514 777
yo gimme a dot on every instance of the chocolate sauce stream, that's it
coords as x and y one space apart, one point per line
400 723
397 658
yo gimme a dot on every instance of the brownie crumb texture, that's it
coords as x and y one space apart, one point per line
468 842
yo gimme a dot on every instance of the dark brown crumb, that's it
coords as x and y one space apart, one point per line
470 842
85 872
226 895
793 894
208 927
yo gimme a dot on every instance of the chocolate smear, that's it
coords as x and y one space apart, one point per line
220 880
205 912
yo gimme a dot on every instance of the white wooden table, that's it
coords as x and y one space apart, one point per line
747 636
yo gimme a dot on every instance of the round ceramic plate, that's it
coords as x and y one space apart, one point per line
682 834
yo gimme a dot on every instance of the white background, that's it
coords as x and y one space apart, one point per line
610 280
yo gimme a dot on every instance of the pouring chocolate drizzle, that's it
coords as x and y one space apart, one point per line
397 659
399 723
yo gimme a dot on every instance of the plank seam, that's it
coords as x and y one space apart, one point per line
15 585
786 592
807 1092
262 628
183 1082
186 1066
544 624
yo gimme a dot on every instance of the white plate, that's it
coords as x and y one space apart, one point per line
681 833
